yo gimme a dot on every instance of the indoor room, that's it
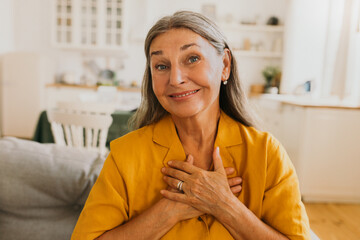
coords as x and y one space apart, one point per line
72 76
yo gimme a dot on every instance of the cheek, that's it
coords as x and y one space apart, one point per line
213 75
158 87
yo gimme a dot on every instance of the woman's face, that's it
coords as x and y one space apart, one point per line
187 72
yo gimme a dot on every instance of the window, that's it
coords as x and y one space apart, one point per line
341 76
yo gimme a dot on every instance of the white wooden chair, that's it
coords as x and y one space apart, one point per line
81 125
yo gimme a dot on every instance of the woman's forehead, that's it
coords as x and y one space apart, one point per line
177 37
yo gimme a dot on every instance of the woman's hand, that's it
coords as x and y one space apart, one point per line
235 182
204 190
181 210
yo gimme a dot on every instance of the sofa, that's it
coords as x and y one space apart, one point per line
43 188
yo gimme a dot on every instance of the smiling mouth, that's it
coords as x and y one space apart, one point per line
184 94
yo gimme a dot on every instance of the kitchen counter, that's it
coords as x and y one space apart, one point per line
321 137
306 101
94 87
124 98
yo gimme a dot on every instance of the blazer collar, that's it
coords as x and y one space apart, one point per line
228 135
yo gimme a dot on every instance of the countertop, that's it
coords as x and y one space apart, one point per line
94 87
307 101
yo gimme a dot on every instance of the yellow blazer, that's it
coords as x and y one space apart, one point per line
130 182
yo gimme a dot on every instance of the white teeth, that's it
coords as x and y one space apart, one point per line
185 94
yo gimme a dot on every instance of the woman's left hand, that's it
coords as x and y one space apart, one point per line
204 190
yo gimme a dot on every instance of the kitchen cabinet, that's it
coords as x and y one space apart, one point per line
322 142
89 24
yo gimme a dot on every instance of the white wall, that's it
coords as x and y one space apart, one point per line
6 26
239 9
6 41
305 38
32 25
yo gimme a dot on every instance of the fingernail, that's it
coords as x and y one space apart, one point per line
170 162
163 169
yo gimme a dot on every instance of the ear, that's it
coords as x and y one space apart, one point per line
226 65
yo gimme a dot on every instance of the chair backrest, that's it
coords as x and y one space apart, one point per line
81 125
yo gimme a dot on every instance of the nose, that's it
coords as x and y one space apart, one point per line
176 75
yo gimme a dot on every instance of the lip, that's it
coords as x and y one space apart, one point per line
184 94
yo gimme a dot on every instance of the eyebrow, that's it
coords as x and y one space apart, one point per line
156 53
186 46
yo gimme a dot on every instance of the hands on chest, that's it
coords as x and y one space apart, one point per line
201 191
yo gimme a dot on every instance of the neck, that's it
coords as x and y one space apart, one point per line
198 131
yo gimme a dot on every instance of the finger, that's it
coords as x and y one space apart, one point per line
236 189
229 170
234 181
184 166
190 159
174 173
169 188
179 197
218 164
172 182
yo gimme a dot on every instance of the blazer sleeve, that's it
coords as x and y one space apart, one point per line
106 206
282 207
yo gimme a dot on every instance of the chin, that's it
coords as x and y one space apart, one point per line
186 112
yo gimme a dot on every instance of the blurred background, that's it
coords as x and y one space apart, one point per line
298 59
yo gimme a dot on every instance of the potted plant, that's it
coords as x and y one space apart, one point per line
271 75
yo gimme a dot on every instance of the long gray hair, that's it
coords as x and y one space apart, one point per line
232 97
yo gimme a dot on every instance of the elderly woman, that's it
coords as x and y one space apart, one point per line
179 175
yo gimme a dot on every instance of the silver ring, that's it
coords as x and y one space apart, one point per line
179 185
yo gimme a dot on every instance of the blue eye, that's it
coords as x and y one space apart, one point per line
160 67
193 59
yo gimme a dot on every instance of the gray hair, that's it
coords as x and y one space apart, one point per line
233 100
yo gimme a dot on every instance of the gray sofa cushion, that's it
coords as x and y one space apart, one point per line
43 188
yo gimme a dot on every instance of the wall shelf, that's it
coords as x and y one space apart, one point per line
253 28
257 54
255 47
92 87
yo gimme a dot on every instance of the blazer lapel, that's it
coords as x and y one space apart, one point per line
165 135
228 136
